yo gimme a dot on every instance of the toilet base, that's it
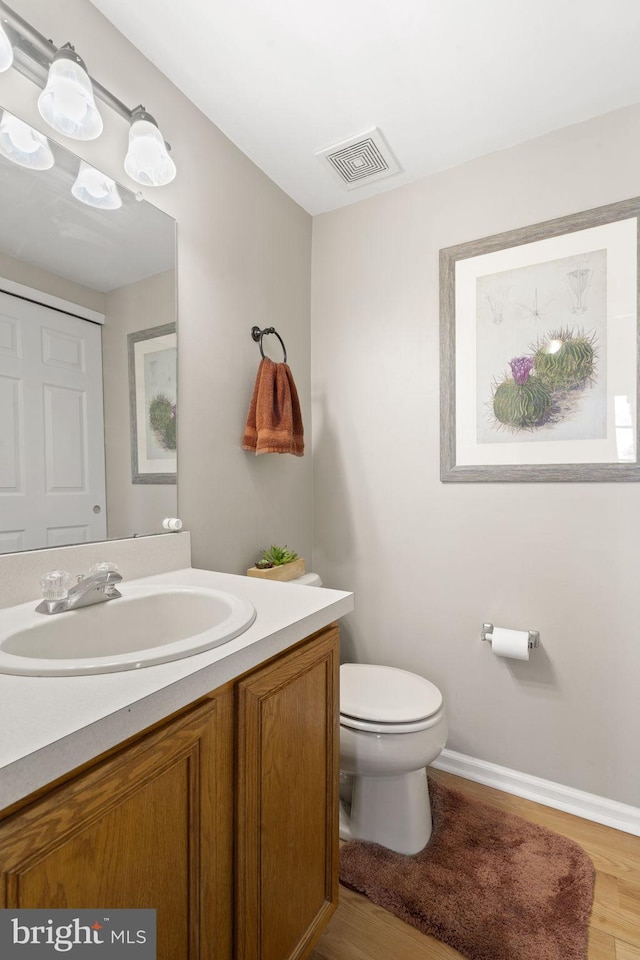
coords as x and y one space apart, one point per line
392 811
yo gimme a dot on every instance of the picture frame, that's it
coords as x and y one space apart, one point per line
152 356
539 351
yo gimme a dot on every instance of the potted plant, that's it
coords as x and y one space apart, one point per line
277 563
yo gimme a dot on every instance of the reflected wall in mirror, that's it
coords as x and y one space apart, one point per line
76 280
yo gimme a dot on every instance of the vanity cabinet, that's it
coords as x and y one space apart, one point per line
287 802
223 819
150 826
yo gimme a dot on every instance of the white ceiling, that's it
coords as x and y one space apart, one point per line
444 80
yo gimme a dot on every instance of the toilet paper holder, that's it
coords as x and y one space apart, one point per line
487 631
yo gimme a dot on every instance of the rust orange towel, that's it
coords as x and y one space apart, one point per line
274 422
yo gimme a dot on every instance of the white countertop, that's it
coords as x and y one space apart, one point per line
50 725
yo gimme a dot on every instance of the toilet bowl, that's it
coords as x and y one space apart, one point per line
392 725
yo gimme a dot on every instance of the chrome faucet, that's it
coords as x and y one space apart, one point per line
96 587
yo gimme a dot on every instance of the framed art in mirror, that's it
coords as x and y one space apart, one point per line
153 396
539 351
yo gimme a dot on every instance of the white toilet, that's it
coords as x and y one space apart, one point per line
392 724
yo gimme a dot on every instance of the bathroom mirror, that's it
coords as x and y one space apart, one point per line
78 285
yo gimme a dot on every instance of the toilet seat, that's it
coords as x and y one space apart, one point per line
381 699
367 726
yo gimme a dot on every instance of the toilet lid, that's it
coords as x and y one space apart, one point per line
386 694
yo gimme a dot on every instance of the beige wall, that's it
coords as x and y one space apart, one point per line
132 508
21 272
429 562
243 258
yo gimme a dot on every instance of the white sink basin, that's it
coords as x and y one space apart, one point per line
146 626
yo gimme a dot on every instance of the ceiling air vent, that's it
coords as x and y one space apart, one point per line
360 160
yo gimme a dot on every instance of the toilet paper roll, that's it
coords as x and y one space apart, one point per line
510 643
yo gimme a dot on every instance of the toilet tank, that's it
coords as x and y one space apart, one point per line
308 580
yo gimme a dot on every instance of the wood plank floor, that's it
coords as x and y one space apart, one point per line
359 930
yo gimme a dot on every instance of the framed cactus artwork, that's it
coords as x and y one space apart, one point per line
153 403
539 351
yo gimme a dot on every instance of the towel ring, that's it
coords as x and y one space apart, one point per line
258 334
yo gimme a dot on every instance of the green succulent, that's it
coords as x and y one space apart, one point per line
275 557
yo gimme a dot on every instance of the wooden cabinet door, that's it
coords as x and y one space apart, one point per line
150 826
287 801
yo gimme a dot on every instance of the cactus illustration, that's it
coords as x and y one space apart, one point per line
522 401
565 359
162 420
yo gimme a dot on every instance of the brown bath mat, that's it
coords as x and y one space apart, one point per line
490 884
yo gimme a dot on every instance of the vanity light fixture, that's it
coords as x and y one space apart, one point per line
67 100
95 189
147 160
6 50
23 145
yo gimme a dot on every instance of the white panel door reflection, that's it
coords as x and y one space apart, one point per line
52 478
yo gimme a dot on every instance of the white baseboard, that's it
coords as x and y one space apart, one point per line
581 804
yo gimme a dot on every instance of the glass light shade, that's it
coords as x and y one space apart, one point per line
147 160
23 145
6 51
95 189
67 102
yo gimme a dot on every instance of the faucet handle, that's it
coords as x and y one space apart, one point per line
172 523
55 584
104 566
